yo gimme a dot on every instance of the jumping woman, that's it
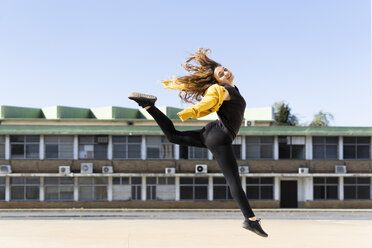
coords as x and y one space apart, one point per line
212 85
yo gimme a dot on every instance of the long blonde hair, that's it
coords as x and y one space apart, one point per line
193 86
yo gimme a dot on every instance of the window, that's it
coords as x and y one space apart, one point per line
24 188
126 147
93 147
92 188
158 147
325 147
357 147
221 190
160 188
259 147
194 188
126 188
291 147
59 147
59 188
325 188
260 188
24 146
2 147
357 188
2 188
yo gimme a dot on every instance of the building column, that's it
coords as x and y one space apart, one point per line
177 151
42 192
76 189
143 189
7 189
276 148
244 183
340 148
341 188
143 147
244 149
309 189
109 189
177 182
276 189
210 155
210 188
76 147
370 191
309 147
41 148
109 148
7 147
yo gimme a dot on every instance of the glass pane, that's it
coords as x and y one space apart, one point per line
284 151
2 193
33 180
350 180
318 140
85 193
85 180
32 151
332 192
125 180
51 151
201 180
116 180
67 139
319 180
67 180
363 152
267 180
363 180
318 152
134 139
51 180
32 193
349 140
364 140
17 138
51 193
332 140
66 151
153 152
333 180
151 180
252 180
331 151
86 140
2 180
219 192
267 139
267 192
17 193
51 139
100 151
319 192
186 180
363 192
162 180
349 152
32 138
171 180
350 192
67 193
253 192
266 151
219 180
119 139
201 192
119 151
298 151
253 139
186 192
101 193
100 180
134 151
17 180
253 151
17 151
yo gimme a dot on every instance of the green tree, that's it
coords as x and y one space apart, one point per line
283 115
321 119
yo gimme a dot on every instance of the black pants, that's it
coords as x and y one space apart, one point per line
218 140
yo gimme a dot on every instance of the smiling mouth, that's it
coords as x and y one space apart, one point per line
229 76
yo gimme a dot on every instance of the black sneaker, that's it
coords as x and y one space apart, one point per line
255 227
143 100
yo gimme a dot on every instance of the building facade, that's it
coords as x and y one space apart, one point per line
118 157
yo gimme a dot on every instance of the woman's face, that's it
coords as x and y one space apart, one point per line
223 75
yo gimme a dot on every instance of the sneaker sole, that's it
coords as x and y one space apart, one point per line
258 233
141 96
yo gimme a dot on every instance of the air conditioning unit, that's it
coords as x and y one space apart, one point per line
340 169
249 123
107 169
102 139
243 169
170 170
4 169
86 168
201 168
303 170
64 169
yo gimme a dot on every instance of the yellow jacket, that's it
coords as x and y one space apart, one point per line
211 102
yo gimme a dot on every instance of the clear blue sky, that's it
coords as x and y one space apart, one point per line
314 55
